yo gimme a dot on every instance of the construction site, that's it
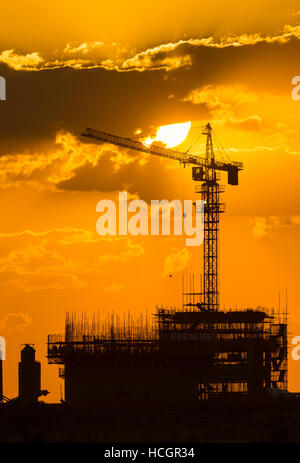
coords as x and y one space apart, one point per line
185 357
178 356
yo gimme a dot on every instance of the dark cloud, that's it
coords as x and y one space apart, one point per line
133 177
41 102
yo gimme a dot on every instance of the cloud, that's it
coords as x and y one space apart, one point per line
44 170
176 262
221 95
254 149
15 322
113 170
166 56
262 226
60 258
28 62
251 123
223 101
84 48
259 148
73 165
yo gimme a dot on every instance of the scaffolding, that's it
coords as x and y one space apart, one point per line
100 336
219 353
240 352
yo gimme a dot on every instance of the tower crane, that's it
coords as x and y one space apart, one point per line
204 170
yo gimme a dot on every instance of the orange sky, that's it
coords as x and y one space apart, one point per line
118 68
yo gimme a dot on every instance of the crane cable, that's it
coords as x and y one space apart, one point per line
191 146
220 144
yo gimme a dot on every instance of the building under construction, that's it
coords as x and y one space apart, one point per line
198 352
184 356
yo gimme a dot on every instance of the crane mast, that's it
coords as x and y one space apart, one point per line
210 195
205 171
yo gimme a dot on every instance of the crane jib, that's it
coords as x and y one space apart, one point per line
231 167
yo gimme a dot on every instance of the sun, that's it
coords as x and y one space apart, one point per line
171 135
